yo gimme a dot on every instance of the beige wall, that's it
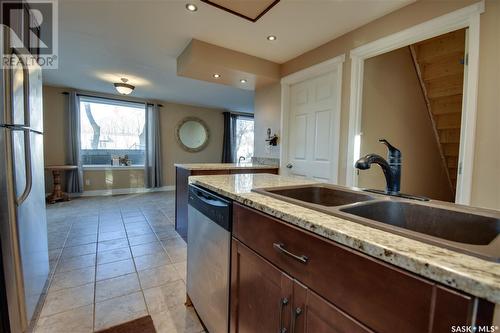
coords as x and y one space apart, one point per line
170 116
486 178
267 106
56 143
55 123
394 108
200 58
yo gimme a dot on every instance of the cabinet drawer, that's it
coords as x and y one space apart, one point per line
382 297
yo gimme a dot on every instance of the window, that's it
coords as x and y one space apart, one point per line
244 137
110 128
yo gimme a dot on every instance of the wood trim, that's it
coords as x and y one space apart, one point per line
431 116
239 14
467 17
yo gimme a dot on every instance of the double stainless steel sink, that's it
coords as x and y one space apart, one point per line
464 229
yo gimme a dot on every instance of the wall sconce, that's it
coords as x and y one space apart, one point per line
271 140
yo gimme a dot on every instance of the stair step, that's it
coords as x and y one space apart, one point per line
450 149
448 121
446 104
441 45
443 66
452 162
449 135
445 86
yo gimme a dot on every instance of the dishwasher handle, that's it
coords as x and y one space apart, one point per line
216 208
209 199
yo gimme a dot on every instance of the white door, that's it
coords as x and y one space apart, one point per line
314 126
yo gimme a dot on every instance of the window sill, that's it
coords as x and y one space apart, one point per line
99 167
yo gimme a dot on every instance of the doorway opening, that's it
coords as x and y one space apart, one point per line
417 107
465 18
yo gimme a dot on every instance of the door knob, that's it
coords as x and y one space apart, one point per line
289 165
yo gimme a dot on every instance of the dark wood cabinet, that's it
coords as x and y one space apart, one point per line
261 293
337 289
266 299
181 190
313 314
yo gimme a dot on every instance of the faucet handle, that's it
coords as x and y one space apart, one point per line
393 151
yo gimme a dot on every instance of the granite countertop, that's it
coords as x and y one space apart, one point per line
224 166
475 276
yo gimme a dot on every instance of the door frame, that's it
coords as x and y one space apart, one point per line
467 17
302 75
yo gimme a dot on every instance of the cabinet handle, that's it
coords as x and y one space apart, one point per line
281 248
295 314
283 303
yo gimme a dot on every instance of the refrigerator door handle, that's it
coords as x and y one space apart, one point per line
27 136
26 93
27 166
27 133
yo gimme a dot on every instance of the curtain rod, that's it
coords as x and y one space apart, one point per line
111 98
251 115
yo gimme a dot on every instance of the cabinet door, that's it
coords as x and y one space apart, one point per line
181 201
313 314
260 294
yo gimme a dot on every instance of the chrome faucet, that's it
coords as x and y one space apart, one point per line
391 168
241 158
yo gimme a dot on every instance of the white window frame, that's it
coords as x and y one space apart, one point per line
467 17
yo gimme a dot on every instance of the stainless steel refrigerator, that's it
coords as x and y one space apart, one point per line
23 225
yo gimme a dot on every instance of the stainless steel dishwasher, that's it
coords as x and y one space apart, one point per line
208 257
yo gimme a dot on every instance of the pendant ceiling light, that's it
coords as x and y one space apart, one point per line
123 87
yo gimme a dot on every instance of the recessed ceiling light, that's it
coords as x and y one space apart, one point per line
191 7
216 76
243 81
271 37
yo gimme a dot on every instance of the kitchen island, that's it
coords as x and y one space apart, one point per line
393 283
183 171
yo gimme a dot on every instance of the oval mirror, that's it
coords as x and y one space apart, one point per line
192 134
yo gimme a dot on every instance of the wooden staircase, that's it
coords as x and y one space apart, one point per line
439 63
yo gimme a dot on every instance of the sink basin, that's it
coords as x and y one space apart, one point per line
467 230
316 194
451 225
457 230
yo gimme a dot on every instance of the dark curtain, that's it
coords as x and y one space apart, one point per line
75 177
229 138
152 164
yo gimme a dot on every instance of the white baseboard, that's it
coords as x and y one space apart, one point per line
117 191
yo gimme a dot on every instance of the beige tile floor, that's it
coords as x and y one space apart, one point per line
114 259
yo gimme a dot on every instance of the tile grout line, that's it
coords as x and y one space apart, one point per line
52 277
50 280
161 243
95 268
133 261
116 210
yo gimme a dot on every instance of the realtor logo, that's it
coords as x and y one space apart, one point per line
29 33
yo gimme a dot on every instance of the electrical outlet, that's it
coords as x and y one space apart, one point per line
87 182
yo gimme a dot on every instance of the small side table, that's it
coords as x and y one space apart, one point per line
57 192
